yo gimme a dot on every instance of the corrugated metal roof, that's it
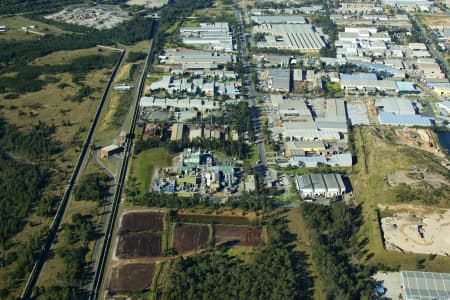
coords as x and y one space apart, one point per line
387 118
425 285
397 106
357 114
405 86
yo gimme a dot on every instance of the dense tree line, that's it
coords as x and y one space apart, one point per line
276 271
94 187
135 56
33 144
20 189
13 53
23 260
237 149
175 11
21 182
71 281
246 201
82 229
20 6
332 233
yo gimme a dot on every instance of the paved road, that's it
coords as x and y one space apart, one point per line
432 48
249 84
105 217
100 271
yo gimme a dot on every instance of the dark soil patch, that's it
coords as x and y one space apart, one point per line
237 235
143 221
134 245
208 219
188 237
131 277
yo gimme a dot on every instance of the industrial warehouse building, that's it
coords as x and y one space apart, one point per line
425 285
291 37
388 118
320 185
396 106
215 36
279 19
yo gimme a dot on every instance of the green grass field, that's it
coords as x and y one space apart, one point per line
66 56
143 165
15 32
371 189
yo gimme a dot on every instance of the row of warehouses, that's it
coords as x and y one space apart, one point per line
211 36
320 185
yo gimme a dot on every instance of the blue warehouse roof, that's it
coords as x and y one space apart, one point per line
387 118
406 87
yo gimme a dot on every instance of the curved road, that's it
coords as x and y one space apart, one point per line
100 270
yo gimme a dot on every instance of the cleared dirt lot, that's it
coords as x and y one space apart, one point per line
197 218
401 233
435 20
131 277
237 235
416 178
135 245
189 237
142 221
148 3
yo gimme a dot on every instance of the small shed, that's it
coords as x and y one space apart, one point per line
110 150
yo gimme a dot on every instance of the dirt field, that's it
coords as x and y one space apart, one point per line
134 245
420 138
417 178
188 237
237 235
131 277
194 218
142 221
435 20
148 3
401 233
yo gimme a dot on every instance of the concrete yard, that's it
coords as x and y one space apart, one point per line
99 16
148 3
401 233
391 282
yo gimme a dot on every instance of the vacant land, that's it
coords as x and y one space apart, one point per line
148 3
434 20
378 156
237 235
118 112
66 56
207 219
142 221
401 233
415 178
143 165
15 31
135 245
189 237
131 277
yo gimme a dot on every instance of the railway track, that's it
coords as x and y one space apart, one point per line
99 273
45 249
